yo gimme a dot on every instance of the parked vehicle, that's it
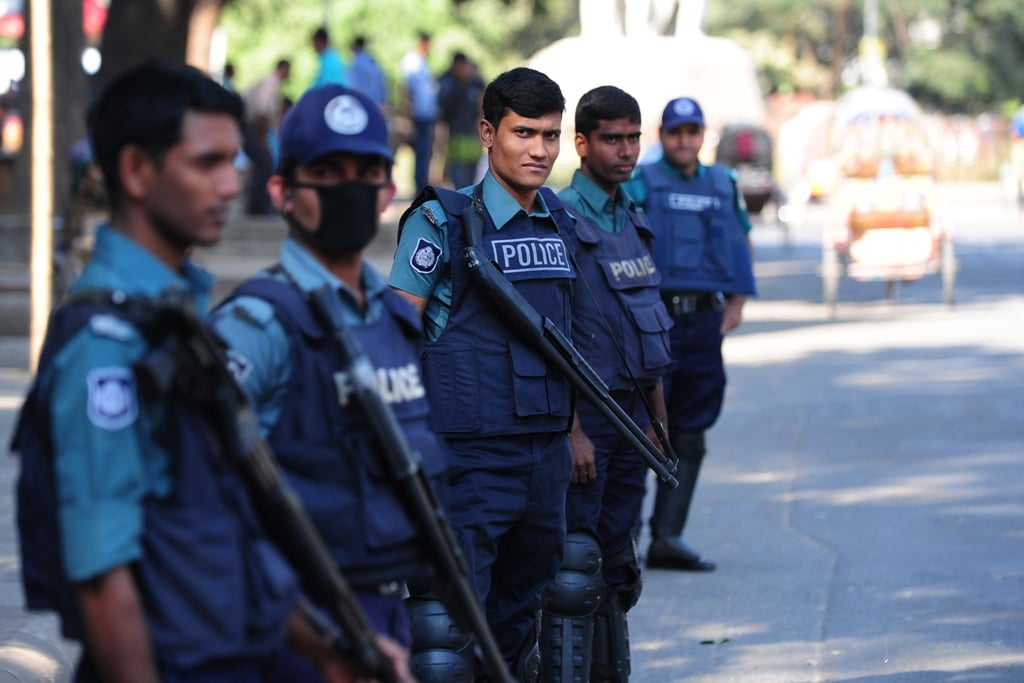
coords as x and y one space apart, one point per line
888 224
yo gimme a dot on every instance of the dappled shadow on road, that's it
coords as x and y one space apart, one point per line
862 498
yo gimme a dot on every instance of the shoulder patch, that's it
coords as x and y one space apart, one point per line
238 365
109 325
111 403
425 256
253 310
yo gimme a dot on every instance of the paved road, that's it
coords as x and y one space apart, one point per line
861 495
862 490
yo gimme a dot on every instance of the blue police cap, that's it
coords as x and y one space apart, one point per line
680 111
329 119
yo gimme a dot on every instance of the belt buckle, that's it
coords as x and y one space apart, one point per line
684 304
719 301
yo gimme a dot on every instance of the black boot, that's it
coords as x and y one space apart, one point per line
671 508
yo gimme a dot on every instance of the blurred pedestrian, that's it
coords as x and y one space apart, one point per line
461 90
702 251
422 107
263 107
330 66
366 75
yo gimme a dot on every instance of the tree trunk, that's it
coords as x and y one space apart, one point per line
140 30
70 95
204 20
838 45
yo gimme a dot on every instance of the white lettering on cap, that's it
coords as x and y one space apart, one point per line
346 115
683 107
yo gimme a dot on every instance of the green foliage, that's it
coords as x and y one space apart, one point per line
497 34
961 55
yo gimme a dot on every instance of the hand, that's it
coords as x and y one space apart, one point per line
583 467
732 316
337 670
652 434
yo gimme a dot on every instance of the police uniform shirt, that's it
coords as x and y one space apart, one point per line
637 189
262 362
589 201
421 265
106 456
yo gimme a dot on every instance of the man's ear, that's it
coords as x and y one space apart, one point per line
581 145
138 171
278 192
384 197
487 133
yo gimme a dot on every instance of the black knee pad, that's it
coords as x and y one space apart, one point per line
441 652
610 662
567 626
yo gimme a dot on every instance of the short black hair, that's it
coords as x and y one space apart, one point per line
605 103
284 64
321 35
522 90
145 107
359 43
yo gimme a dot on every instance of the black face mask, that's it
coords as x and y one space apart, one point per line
348 217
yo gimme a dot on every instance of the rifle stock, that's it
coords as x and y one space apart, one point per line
190 357
415 489
545 336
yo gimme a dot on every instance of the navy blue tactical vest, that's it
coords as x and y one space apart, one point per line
328 448
618 270
699 243
482 377
212 587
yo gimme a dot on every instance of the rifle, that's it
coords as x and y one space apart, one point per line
403 463
545 336
186 357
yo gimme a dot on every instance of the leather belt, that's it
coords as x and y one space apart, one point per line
685 303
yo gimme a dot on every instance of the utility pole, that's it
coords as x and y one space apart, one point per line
41 255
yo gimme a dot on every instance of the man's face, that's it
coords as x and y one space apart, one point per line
522 151
189 194
610 152
334 169
681 145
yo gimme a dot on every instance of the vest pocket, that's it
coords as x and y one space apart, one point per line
452 380
529 381
653 323
686 241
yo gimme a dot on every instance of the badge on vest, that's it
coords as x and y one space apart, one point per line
111 403
425 256
691 202
536 255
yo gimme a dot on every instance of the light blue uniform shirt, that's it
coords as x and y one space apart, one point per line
637 189
260 349
588 200
106 455
332 69
428 226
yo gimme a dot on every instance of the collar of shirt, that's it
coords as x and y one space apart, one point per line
503 207
124 264
308 273
608 212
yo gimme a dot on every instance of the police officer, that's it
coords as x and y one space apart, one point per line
702 252
169 580
503 413
332 184
618 298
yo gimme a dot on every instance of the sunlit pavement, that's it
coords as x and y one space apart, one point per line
862 491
